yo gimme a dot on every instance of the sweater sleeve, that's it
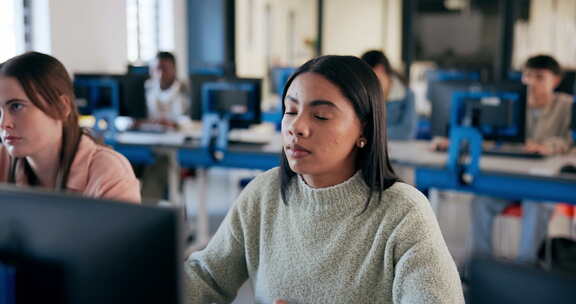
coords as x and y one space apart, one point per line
424 269
562 141
215 274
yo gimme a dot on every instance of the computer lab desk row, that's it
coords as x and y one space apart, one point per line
185 151
511 178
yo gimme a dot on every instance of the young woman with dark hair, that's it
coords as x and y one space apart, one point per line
42 143
402 118
333 224
392 82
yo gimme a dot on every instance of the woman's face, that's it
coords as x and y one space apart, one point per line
25 130
320 131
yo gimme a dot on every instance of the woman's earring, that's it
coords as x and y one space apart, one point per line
362 143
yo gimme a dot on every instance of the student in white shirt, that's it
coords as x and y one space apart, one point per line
167 98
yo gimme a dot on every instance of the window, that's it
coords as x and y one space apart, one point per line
12 28
150 29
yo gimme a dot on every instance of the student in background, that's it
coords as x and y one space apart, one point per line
167 98
393 84
333 224
168 103
401 110
548 119
42 143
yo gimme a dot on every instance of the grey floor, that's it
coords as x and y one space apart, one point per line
452 213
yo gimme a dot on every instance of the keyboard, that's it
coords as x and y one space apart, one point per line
506 151
515 152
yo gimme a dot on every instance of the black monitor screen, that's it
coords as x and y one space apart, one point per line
440 96
196 82
503 282
133 96
95 92
239 97
68 249
568 83
497 119
231 101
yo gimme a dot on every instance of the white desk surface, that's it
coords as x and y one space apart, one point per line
418 153
410 153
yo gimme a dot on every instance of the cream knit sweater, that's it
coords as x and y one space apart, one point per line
319 248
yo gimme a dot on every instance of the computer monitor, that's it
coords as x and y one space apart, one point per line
499 117
196 83
96 92
440 94
138 70
237 99
503 282
69 249
447 75
133 96
568 83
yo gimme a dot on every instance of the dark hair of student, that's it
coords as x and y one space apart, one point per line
359 84
166 56
49 87
544 62
375 57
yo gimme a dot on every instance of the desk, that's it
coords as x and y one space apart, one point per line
510 178
185 150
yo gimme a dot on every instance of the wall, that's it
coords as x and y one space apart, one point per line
465 32
392 31
353 27
265 35
89 35
551 29
180 40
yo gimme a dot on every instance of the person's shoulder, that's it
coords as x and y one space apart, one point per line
108 159
565 99
184 88
100 160
406 193
404 200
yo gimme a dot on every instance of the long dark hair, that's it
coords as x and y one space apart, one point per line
41 75
360 85
375 57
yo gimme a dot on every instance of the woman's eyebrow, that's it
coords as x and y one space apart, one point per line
13 100
314 103
292 99
320 102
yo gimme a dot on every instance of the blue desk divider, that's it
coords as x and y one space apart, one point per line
7 284
444 75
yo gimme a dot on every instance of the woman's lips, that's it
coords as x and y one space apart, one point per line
297 151
11 139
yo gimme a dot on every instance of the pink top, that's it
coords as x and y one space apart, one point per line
97 171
